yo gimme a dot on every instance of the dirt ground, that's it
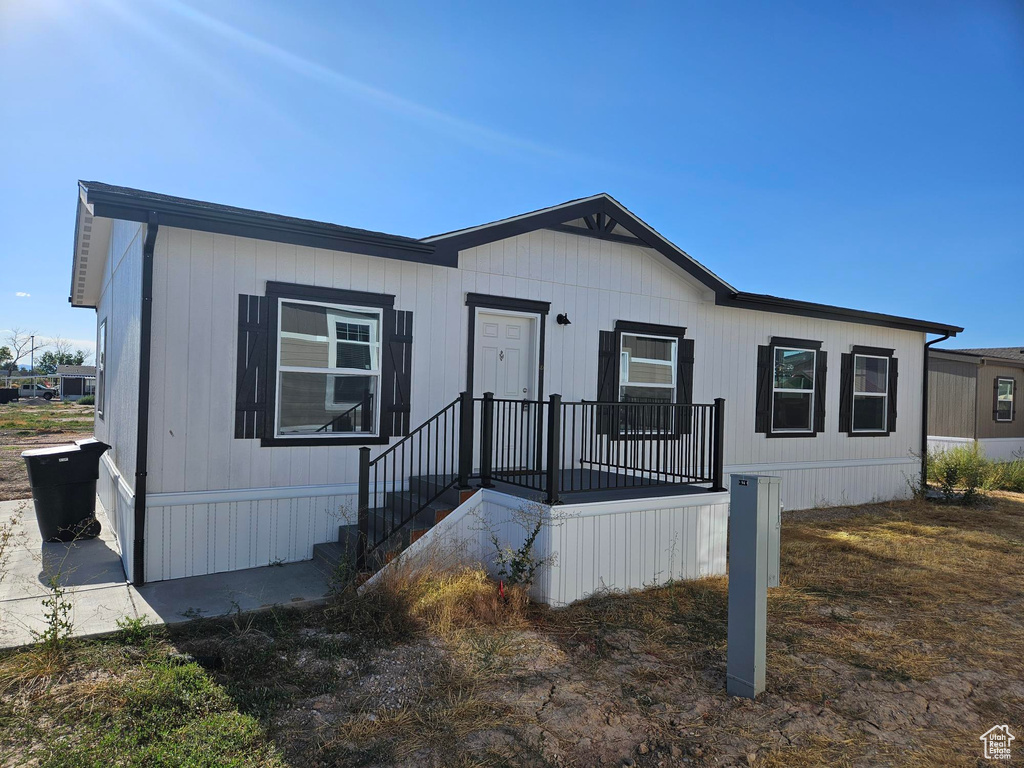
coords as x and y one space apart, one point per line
895 639
35 423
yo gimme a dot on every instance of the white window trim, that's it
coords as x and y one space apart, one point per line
624 361
101 368
814 384
856 394
332 357
1012 400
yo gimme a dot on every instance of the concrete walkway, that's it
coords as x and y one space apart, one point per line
95 584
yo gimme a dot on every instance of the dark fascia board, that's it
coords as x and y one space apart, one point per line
597 234
763 303
487 301
858 349
449 245
135 205
631 326
329 295
790 343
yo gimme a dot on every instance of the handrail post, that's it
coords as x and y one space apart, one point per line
486 440
554 469
465 439
718 449
363 505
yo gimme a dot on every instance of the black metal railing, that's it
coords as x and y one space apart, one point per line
432 454
555 447
547 446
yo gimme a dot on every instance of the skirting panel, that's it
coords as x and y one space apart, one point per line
832 486
994 448
119 503
196 539
585 548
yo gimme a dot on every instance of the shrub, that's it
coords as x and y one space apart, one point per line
87 400
1008 476
962 469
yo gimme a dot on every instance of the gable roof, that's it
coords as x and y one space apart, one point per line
599 215
1007 353
602 216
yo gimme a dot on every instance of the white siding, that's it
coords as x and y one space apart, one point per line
994 448
120 305
211 537
198 276
586 548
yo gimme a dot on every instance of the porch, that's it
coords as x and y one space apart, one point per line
552 452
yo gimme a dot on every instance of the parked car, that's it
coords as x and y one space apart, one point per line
37 390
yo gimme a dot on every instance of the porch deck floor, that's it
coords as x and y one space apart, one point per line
589 485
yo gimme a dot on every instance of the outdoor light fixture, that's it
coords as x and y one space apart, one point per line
563 319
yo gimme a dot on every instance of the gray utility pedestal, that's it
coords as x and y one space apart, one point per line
754 527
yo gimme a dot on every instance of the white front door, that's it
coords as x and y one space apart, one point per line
505 357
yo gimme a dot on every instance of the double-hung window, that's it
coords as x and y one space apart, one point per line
328 368
790 398
1004 399
647 374
870 393
793 389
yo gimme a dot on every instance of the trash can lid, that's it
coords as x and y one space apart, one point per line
53 450
92 444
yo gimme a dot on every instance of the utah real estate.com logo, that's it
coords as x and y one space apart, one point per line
997 742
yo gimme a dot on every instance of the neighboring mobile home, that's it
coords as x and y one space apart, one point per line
76 381
259 376
973 395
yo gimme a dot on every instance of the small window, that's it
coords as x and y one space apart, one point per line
793 389
101 368
870 393
329 370
1004 399
647 374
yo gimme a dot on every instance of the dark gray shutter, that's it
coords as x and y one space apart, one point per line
607 386
995 399
251 370
846 394
1013 404
820 378
894 375
397 373
685 380
763 405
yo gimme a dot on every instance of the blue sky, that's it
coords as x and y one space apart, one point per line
865 154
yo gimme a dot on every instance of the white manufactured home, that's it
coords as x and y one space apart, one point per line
270 385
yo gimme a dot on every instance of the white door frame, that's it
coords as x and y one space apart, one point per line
538 342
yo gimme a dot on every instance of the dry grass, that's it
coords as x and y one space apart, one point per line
879 605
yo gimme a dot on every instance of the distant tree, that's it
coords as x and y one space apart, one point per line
48 362
19 342
7 362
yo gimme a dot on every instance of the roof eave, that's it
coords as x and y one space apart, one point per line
764 303
136 206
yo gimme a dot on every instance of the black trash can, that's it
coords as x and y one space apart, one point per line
63 483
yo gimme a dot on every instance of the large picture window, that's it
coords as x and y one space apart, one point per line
793 389
1004 399
870 393
329 369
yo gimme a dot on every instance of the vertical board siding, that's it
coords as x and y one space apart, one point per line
197 278
586 549
195 539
